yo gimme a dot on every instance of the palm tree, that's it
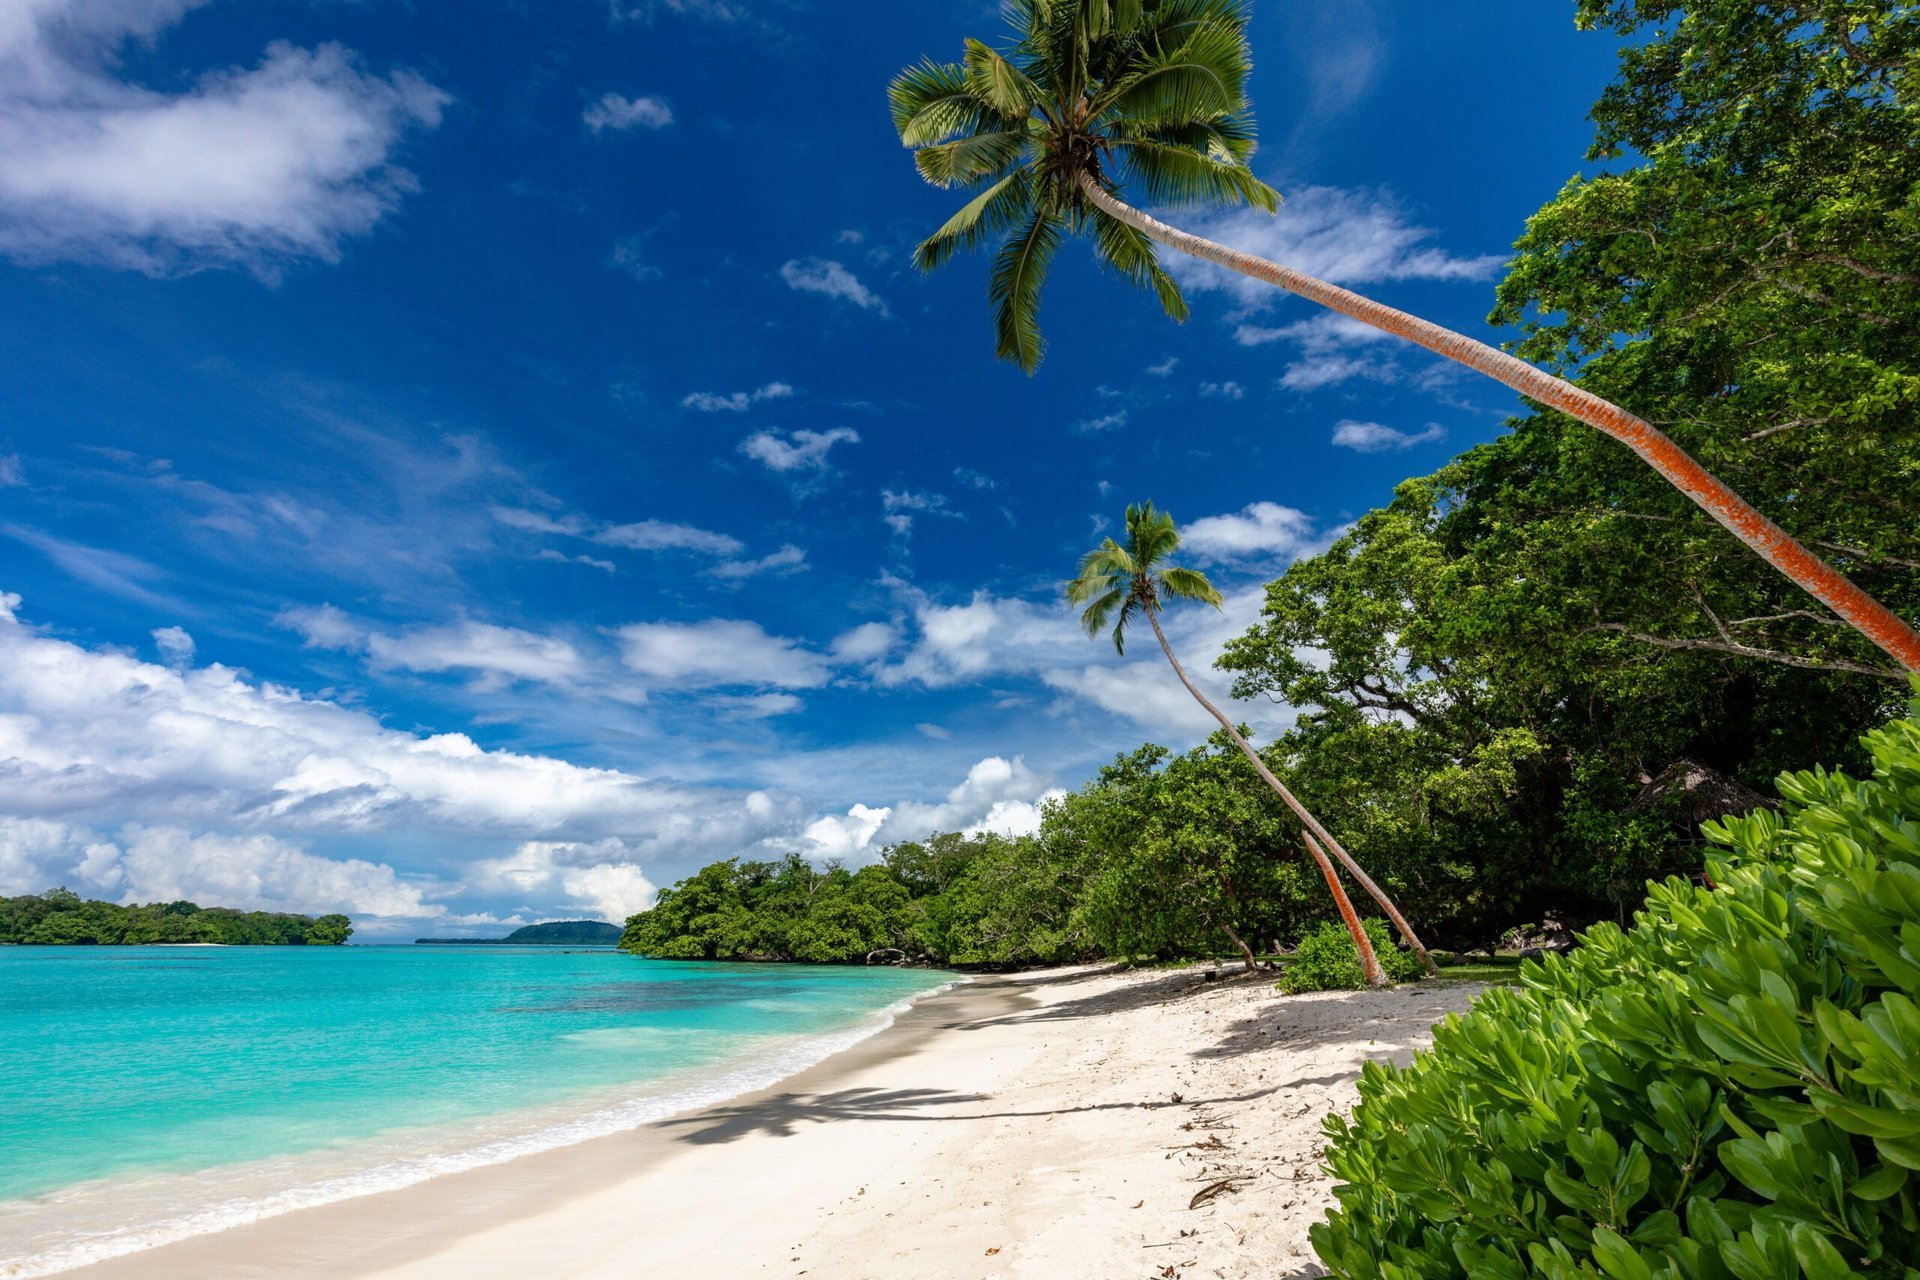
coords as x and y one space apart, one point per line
1094 94
1118 583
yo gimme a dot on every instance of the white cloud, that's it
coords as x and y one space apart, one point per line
865 643
819 275
10 473
940 733
597 878
735 402
1222 391
1106 422
757 706
660 535
998 795
618 113
498 654
322 627
798 451
1164 368
254 872
1376 437
174 644
1347 237
250 166
788 559
1262 530
719 652
114 572
1332 348
900 506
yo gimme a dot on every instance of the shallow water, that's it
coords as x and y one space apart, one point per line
148 1093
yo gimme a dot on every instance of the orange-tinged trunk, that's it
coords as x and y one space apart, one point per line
1772 543
1369 962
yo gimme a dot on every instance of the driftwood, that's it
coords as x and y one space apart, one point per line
888 951
1213 1189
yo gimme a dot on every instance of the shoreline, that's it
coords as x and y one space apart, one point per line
1036 1124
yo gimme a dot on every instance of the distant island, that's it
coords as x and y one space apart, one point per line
60 917
554 933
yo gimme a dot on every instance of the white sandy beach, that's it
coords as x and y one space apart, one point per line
1054 1124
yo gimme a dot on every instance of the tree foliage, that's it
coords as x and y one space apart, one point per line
60 917
1731 1091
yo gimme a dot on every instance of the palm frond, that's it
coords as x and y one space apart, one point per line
1204 77
1189 584
985 218
932 103
997 82
965 161
1109 560
1176 175
1018 273
1132 254
1127 611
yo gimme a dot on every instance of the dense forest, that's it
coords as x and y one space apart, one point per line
60 917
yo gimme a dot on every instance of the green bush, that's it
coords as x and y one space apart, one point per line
1729 1092
1326 959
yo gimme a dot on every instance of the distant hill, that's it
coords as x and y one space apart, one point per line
554 933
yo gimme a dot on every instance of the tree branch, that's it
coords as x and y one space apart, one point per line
1748 651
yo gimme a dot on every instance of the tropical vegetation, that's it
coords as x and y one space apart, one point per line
60 917
1092 96
1730 1090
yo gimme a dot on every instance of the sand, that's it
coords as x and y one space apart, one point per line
1056 1124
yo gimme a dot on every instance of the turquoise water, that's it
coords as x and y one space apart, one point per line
150 1092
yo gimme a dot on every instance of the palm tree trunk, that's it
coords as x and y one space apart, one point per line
1369 963
1386 905
1772 543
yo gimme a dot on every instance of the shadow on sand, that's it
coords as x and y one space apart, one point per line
784 1113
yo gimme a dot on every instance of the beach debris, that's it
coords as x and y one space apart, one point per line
995 1249
1138 1203
1213 1189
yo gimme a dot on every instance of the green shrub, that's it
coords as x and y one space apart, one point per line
1327 961
1729 1092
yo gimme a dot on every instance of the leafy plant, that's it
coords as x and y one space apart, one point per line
1326 960
1731 1091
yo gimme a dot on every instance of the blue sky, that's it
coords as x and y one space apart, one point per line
468 464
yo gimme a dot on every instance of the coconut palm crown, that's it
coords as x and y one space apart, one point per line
1149 93
1117 583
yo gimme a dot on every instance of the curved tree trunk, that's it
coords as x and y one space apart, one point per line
1386 904
1772 543
1369 963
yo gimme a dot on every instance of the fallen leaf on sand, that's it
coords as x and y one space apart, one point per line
993 1251
1211 1190
1138 1205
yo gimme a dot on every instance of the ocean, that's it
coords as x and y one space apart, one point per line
152 1093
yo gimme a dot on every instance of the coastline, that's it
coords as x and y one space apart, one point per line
1048 1124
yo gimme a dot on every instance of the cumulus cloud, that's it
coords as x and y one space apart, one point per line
1348 237
599 878
1377 437
796 451
998 795
1222 391
174 644
737 401
819 275
615 112
141 780
1261 530
253 872
1105 422
865 643
249 166
719 652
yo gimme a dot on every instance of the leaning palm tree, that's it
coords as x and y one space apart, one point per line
1119 583
1092 95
